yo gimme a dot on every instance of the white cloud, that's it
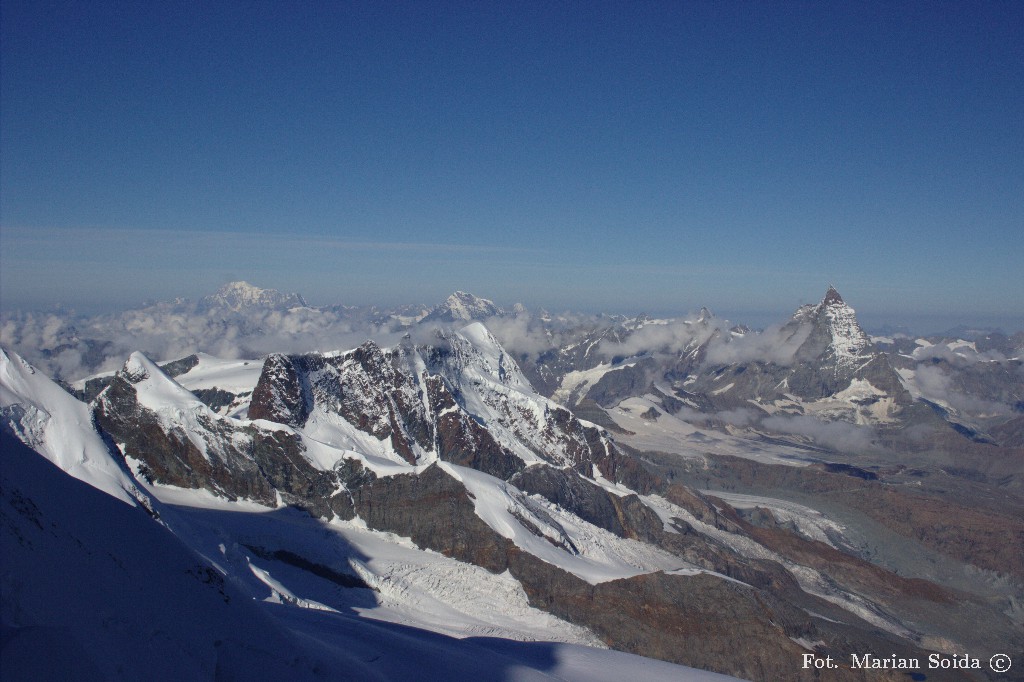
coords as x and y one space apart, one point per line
841 436
776 344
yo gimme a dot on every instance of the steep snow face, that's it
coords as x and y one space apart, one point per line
834 333
849 341
95 590
237 296
80 602
480 356
463 399
50 421
489 385
176 408
557 536
156 390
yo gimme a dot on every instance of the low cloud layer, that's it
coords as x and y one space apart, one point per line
935 385
72 348
664 337
777 344
964 355
841 436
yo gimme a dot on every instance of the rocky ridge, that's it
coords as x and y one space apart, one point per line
391 436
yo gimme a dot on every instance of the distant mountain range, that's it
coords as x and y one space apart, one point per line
686 490
240 295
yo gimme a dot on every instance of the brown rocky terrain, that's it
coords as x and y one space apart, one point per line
752 619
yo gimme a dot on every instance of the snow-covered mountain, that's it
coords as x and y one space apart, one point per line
169 599
684 489
447 445
463 307
40 414
238 296
818 365
81 602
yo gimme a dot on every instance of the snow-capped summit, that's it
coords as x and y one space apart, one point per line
42 415
240 295
476 355
463 307
832 297
833 329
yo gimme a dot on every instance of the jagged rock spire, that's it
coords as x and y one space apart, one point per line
832 297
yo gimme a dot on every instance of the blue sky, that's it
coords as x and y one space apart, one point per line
597 156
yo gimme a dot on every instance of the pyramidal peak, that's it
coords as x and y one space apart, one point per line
848 338
832 297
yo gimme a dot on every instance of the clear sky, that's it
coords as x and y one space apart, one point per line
617 156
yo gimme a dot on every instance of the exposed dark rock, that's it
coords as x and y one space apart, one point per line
93 387
232 459
618 384
281 395
990 536
625 516
436 512
215 398
1010 433
326 572
697 620
571 492
462 441
178 367
665 616
846 470
619 467
592 412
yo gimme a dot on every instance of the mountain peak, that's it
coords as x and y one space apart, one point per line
462 306
466 298
836 323
832 297
238 295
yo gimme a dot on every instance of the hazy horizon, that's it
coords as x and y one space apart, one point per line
610 157
873 322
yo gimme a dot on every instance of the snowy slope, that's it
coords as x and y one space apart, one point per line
668 433
44 416
80 602
599 555
489 382
234 376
